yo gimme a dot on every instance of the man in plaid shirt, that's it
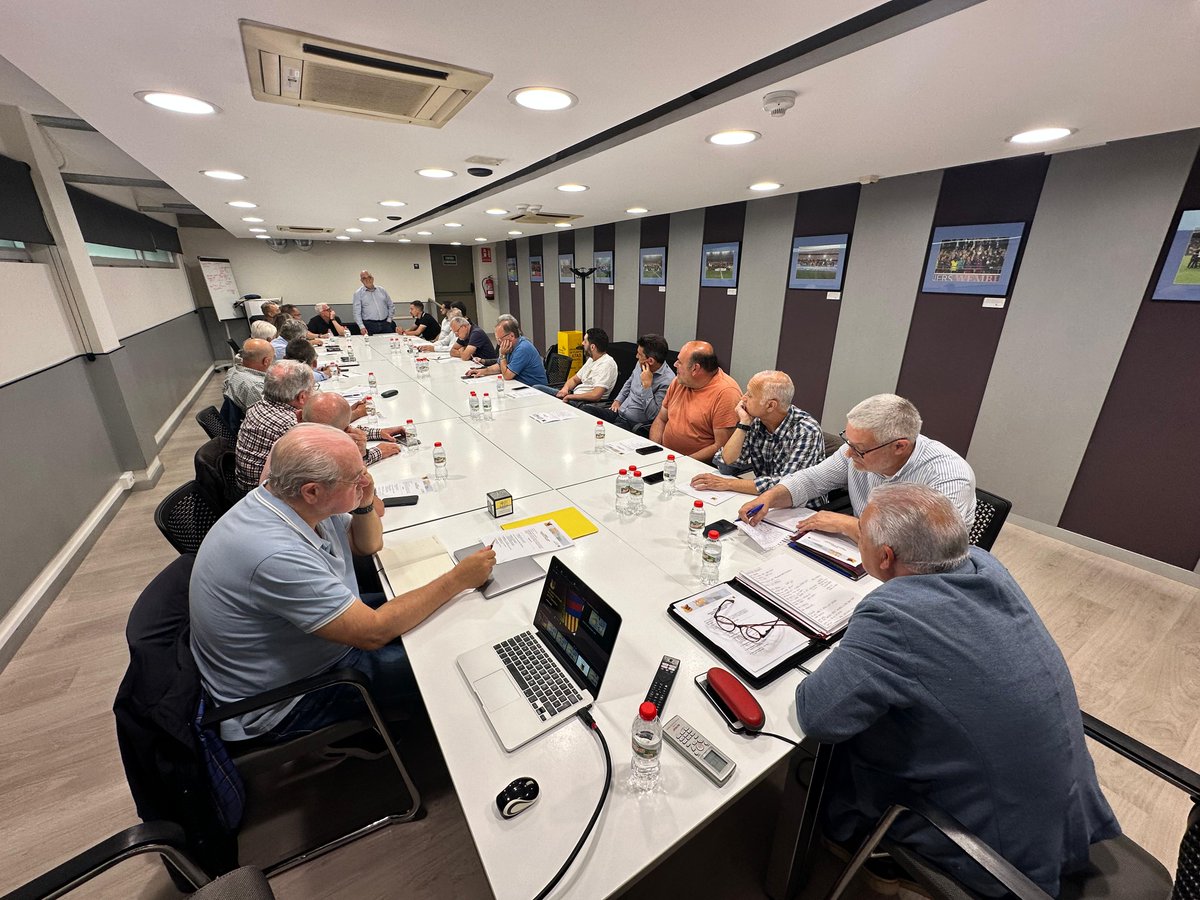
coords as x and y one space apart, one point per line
772 437
286 389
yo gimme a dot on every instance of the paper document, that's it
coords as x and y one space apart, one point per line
407 565
556 416
755 656
817 601
531 540
353 395
764 535
788 519
571 520
404 487
710 498
629 445
834 545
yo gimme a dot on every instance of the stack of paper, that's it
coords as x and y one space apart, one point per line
408 565
546 418
816 601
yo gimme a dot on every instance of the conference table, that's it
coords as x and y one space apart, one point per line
639 565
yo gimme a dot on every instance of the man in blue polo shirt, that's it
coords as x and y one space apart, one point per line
519 359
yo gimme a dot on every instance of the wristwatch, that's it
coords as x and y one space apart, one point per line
742 426
363 510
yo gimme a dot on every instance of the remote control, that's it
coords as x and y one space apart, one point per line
698 750
660 687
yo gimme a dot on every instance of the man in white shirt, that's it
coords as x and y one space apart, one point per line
596 378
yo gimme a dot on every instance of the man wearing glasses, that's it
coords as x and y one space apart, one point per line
884 445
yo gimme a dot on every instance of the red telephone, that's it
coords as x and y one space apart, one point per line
489 287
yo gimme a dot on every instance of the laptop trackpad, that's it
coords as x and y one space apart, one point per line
496 690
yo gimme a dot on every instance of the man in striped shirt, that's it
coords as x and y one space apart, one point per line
884 445
285 391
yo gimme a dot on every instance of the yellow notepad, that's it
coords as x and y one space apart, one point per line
410 564
569 519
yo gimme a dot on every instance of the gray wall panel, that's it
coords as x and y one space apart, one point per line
625 277
891 236
1096 237
166 361
762 283
683 276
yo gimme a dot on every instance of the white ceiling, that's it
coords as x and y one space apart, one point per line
946 93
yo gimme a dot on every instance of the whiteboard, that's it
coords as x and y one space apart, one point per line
222 289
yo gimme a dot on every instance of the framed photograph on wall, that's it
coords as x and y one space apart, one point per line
719 265
973 259
511 264
535 269
1180 276
566 262
603 261
818 262
653 265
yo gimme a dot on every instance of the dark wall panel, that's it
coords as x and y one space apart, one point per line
566 292
652 302
604 238
809 323
952 339
537 296
167 361
1136 487
716 310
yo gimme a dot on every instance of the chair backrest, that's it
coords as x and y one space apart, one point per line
233 346
231 416
184 518
990 513
210 420
215 481
557 368
624 353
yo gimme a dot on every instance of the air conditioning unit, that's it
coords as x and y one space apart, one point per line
541 218
305 229
301 69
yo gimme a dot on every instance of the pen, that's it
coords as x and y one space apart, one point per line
755 511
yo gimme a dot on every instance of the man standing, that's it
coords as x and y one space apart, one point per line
285 391
699 412
274 597
244 382
637 405
947 687
772 437
372 307
596 377
884 444
326 322
518 359
425 326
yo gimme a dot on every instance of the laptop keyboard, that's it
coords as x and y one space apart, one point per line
547 691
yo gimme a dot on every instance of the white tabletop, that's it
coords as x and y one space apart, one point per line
411 401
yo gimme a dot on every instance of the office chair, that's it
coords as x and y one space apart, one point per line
1118 867
215 480
557 368
990 512
164 838
184 517
210 420
233 345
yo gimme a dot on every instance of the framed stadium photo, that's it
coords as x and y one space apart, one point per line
566 262
719 265
511 263
535 269
653 264
973 259
1180 276
603 261
818 262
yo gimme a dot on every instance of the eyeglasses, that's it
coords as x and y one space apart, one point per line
861 454
357 479
753 632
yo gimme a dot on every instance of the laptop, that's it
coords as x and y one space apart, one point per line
506 575
532 681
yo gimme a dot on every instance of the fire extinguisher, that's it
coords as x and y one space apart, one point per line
489 287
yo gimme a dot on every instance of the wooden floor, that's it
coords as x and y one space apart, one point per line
1132 640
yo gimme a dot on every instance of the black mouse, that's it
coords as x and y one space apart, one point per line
514 799
391 393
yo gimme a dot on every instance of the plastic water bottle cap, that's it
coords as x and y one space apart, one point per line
698 504
598 422
408 422
472 393
370 373
437 443
624 472
647 711
670 456
713 535
486 394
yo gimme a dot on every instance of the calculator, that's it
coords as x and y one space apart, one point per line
698 750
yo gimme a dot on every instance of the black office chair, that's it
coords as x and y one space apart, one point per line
990 513
1118 868
216 482
164 838
184 517
558 368
233 346
214 426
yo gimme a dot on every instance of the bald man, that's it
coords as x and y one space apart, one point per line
699 412
373 308
244 382
274 597
327 408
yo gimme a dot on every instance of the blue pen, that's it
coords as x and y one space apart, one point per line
752 513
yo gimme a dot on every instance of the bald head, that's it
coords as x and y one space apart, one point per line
773 385
257 354
326 408
311 454
697 364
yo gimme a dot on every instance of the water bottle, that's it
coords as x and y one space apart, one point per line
623 492
372 413
410 434
710 559
393 350
334 371
350 349
474 406
487 406
670 470
599 445
647 745
637 491
439 462
696 525
422 365
373 381
499 385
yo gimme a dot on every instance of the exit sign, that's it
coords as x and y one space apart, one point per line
485 254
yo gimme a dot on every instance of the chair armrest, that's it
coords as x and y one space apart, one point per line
286 692
1146 757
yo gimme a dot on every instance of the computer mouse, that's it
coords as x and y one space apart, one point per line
520 794
391 393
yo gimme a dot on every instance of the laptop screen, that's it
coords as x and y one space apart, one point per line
579 627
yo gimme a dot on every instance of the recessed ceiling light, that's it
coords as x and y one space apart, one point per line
543 99
562 224
496 211
353 230
251 219
453 224
765 186
392 203
637 210
404 240
572 188
177 103
368 240
424 233
341 237
456 243
243 204
732 137
516 232
258 231
436 173
262 237
482 240
367 219
223 175
1041 135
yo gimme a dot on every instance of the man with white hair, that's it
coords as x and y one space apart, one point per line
262 330
326 321
772 437
947 687
884 445
469 340
285 391
274 597
373 308
244 382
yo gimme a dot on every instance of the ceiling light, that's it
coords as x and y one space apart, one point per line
391 203
353 230
368 240
251 219
243 204
258 231
562 224
436 173
453 224
637 210
733 137
496 211
223 175
424 233
456 243
404 240
177 103
262 237
368 219
765 186
482 240
1040 135
572 188
341 237
543 99
516 232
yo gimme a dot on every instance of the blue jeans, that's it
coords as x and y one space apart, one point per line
546 389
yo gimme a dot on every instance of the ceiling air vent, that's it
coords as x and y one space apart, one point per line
541 218
305 70
304 229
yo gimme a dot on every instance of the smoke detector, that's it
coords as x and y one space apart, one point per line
776 103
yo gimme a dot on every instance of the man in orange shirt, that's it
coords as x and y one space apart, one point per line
699 413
